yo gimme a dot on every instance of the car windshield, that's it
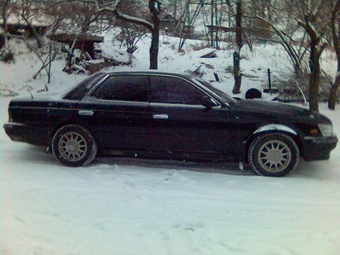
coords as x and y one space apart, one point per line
80 90
222 95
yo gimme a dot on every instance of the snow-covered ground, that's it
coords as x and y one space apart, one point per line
150 207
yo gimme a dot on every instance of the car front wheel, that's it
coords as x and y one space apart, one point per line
273 154
74 145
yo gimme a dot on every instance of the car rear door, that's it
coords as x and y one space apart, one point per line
117 112
180 123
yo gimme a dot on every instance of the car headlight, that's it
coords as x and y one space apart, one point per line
326 129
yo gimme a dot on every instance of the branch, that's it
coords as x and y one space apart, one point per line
311 31
317 8
291 51
323 46
119 15
113 9
128 18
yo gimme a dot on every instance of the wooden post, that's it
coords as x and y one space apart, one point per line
269 82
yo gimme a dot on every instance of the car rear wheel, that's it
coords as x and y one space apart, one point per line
273 154
74 145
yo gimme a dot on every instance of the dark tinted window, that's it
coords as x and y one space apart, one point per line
224 96
174 90
124 88
84 87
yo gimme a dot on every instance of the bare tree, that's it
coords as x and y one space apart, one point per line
46 58
76 16
314 27
295 50
153 25
28 11
264 8
4 9
130 36
316 49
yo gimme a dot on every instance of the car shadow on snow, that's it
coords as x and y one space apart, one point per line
23 153
202 167
29 154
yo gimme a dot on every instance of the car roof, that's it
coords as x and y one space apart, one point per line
150 72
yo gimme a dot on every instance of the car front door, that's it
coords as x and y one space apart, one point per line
117 112
180 123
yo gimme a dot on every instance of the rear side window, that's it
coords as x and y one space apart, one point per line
84 87
174 90
123 88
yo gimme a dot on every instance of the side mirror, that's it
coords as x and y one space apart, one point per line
206 101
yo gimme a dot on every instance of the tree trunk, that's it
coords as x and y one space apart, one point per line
336 43
237 73
154 7
154 49
4 7
314 79
314 64
4 19
334 91
236 55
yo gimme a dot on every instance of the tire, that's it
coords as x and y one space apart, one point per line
253 93
74 145
273 154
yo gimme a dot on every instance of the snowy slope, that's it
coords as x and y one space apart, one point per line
152 207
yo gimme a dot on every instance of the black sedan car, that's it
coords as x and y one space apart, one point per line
168 116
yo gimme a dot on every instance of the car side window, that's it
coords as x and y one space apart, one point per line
174 91
84 87
123 88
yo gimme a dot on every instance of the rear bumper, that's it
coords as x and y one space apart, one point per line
318 148
20 132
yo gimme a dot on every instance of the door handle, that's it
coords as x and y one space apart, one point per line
85 113
160 116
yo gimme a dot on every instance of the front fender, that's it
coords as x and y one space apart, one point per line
269 128
275 127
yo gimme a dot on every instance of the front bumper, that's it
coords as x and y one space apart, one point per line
318 148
